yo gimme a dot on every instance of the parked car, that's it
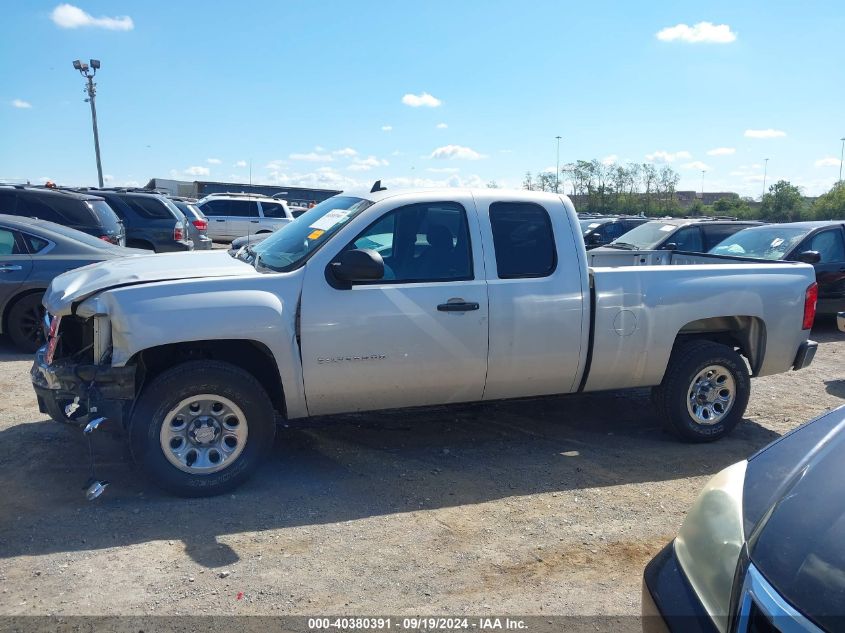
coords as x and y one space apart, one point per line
599 231
247 240
87 213
688 235
761 550
32 253
152 221
197 224
821 244
232 215
384 300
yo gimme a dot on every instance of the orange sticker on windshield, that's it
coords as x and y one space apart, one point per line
313 235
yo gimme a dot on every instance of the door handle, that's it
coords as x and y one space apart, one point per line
220 220
9 268
254 221
458 306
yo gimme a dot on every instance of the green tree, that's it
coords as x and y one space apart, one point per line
783 203
831 205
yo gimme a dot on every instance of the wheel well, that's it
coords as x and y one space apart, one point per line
251 356
745 333
10 304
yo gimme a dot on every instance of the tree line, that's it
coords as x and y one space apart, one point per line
648 189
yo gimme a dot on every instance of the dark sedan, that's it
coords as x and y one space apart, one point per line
819 243
761 550
32 252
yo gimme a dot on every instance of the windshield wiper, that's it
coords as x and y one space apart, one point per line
625 245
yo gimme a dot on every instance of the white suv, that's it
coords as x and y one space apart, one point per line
232 215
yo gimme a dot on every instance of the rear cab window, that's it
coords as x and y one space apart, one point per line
522 239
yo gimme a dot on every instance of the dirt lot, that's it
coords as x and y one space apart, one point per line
550 506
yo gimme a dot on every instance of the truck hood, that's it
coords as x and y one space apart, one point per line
76 285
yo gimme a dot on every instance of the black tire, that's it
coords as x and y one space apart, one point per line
25 323
174 386
671 397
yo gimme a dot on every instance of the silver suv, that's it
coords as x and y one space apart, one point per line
232 215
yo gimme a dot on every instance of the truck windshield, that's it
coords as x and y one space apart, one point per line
290 246
770 242
645 236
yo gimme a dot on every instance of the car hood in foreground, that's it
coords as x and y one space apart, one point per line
76 285
794 507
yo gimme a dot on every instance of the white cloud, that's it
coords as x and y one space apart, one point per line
312 157
421 100
346 151
21 104
828 161
67 16
325 177
240 163
366 164
662 156
474 181
697 165
609 160
456 151
767 133
721 151
196 170
444 170
442 126
701 33
213 161
386 128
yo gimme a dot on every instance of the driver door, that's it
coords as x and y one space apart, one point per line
397 342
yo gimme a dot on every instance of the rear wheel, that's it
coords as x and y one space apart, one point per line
202 428
25 323
704 392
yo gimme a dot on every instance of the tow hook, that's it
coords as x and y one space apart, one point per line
93 487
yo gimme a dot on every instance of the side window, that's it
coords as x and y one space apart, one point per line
243 208
273 210
35 244
522 239
72 210
150 208
688 239
215 208
613 230
32 207
421 242
829 246
715 234
8 244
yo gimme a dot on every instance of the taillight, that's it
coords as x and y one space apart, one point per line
178 233
810 298
202 225
111 239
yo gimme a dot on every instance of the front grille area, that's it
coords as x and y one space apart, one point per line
76 338
763 610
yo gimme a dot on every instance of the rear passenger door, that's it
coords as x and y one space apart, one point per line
243 218
535 289
217 212
273 216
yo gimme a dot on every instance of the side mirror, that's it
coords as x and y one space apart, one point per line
671 246
809 257
359 265
594 239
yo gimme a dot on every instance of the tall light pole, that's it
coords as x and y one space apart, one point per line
765 173
703 171
841 156
557 168
88 72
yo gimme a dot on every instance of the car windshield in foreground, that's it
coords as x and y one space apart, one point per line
770 242
645 236
289 247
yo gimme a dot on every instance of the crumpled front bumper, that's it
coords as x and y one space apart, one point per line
102 390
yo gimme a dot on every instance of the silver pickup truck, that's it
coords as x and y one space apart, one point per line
384 300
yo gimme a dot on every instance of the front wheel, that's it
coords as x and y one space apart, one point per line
202 428
704 392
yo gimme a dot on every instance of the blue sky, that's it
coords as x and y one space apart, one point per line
336 93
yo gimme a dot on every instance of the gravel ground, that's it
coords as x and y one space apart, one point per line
547 506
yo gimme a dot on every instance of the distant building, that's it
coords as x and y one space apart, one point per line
199 188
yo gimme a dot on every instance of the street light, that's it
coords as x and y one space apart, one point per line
91 89
703 171
765 173
557 169
841 156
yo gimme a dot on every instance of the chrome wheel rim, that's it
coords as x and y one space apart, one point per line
711 395
203 434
